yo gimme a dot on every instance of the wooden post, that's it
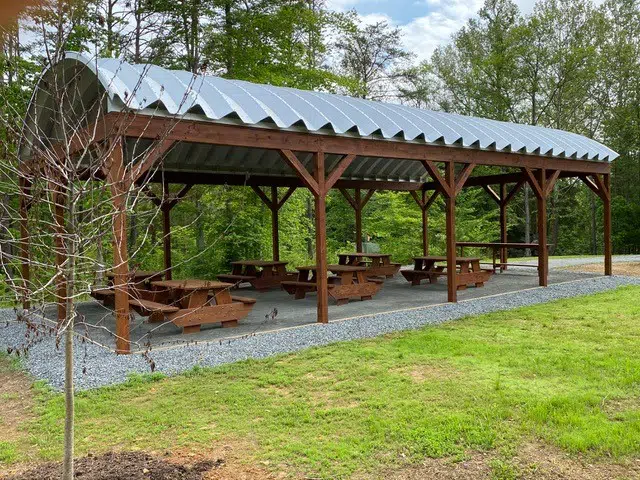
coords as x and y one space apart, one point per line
118 184
450 208
543 259
321 239
358 210
275 235
503 225
425 224
25 193
608 251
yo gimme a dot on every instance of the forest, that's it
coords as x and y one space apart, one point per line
569 64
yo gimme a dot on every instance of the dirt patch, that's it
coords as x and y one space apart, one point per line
16 400
621 268
538 461
533 461
125 465
423 373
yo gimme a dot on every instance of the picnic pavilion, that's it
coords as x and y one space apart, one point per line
207 130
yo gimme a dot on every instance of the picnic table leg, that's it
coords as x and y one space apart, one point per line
223 297
475 267
464 268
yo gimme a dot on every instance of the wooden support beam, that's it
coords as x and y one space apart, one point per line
608 248
502 201
551 182
440 183
450 209
345 193
155 153
514 191
275 233
358 211
116 176
463 176
425 222
492 193
543 255
337 172
321 239
367 197
310 182
274 205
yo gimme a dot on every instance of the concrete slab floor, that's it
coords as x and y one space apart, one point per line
396 294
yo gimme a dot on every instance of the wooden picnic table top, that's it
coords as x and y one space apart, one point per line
442 258
259 263
499 244
335 268
362 254
191 284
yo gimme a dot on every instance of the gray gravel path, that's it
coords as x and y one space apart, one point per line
104 368
570 262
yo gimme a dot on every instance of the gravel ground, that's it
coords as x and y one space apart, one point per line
104 368
570 262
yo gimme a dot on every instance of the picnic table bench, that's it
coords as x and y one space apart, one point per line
349 281
139 285
468 271
261 274
194 303
501 247
378 264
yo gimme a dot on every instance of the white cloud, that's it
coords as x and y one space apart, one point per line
423 34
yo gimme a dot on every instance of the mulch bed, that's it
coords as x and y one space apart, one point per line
122 466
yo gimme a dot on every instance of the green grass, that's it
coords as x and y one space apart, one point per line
566 373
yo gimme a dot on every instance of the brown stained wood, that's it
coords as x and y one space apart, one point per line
367 197
534 183
492 193
608 249
210 314
286 196
155 153
503 225
450 209
310 182
551 182
513 192
263 196
275 229
476 278
588 181
543 259
147 126
345 193
462 178
354 290
117 181
321 239
598 179
358 215
337 172
441 183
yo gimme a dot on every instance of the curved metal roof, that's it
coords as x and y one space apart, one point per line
171 92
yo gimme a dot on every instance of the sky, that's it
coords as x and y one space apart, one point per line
424 23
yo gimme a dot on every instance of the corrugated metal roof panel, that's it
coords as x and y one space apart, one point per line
141 86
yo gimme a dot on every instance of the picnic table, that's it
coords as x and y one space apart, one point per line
349 281
261 274
378 264
501 247
139 284
468 271
194 303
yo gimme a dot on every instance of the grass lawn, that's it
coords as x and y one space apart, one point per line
565 374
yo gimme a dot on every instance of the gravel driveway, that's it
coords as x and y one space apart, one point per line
104 368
